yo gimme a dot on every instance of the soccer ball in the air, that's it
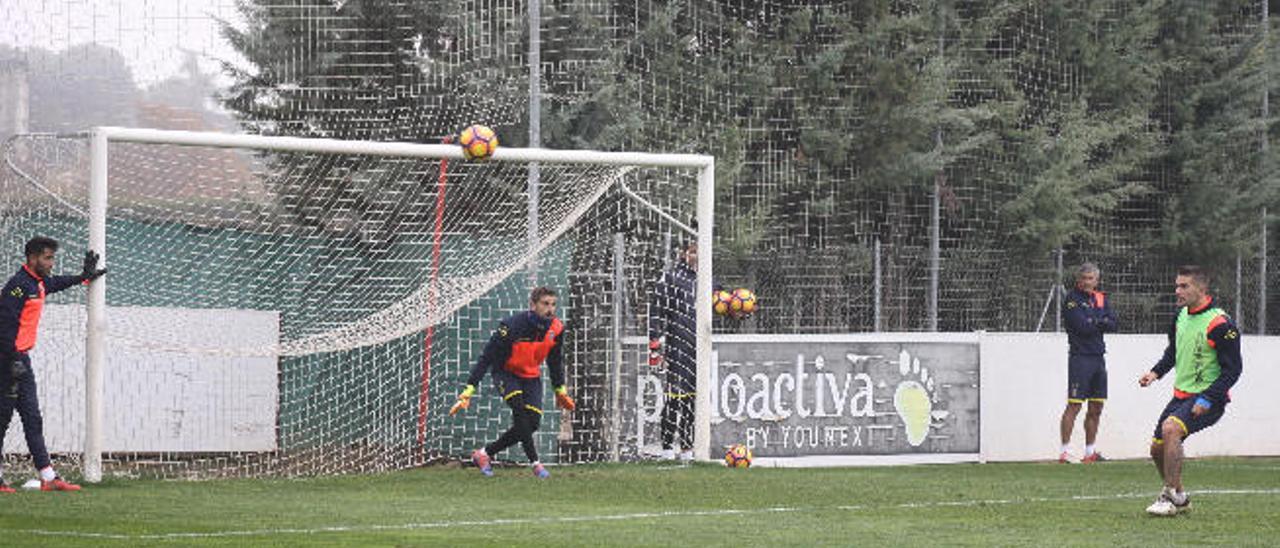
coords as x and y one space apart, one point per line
478 142
722 302
738 456
743 303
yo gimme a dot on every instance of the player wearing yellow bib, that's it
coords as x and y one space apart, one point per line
1204 352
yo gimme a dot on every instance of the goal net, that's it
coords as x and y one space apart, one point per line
282 306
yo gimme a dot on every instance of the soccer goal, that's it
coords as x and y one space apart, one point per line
294 306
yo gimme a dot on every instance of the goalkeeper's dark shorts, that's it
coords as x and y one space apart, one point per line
1180 411
1086 378
519 392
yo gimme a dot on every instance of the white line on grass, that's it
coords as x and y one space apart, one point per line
609 517
1237 466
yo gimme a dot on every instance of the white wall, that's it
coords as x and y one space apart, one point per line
1024 387
1023 390
157 400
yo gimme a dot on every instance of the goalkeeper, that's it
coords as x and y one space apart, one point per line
673 329
21 302
515 354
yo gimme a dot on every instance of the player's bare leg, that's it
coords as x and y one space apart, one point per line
1168 458
1157 457
1172 475
1091 420
1067 425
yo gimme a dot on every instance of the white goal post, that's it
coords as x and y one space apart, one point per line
101 140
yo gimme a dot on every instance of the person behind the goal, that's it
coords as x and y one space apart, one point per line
515 353
673 330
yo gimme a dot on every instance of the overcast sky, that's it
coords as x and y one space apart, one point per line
151 34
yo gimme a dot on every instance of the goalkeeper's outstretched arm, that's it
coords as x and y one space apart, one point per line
91 272
555 362
555 365
496 351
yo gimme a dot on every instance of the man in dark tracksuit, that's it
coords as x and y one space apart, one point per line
21 302
673 326
515 354
1087 315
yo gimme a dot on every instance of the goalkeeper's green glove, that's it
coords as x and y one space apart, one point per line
563 400
464 400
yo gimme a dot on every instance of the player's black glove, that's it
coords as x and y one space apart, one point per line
14 369
91 271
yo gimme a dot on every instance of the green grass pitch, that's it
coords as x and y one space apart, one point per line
1236 502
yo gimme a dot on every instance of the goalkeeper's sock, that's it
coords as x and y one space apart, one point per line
480 458
47 474
1090 449
1066 448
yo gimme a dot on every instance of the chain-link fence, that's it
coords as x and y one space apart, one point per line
833 233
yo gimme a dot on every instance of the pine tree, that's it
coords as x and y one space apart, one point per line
1221 173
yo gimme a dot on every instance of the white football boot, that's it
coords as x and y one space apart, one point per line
1164 506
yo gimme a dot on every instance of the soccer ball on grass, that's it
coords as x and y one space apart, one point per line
738 456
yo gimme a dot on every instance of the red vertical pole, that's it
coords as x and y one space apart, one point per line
437 235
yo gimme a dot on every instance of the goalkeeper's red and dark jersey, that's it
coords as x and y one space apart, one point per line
21 303
520 345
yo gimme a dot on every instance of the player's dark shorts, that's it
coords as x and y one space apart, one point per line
1180 410
518 391
1086 378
